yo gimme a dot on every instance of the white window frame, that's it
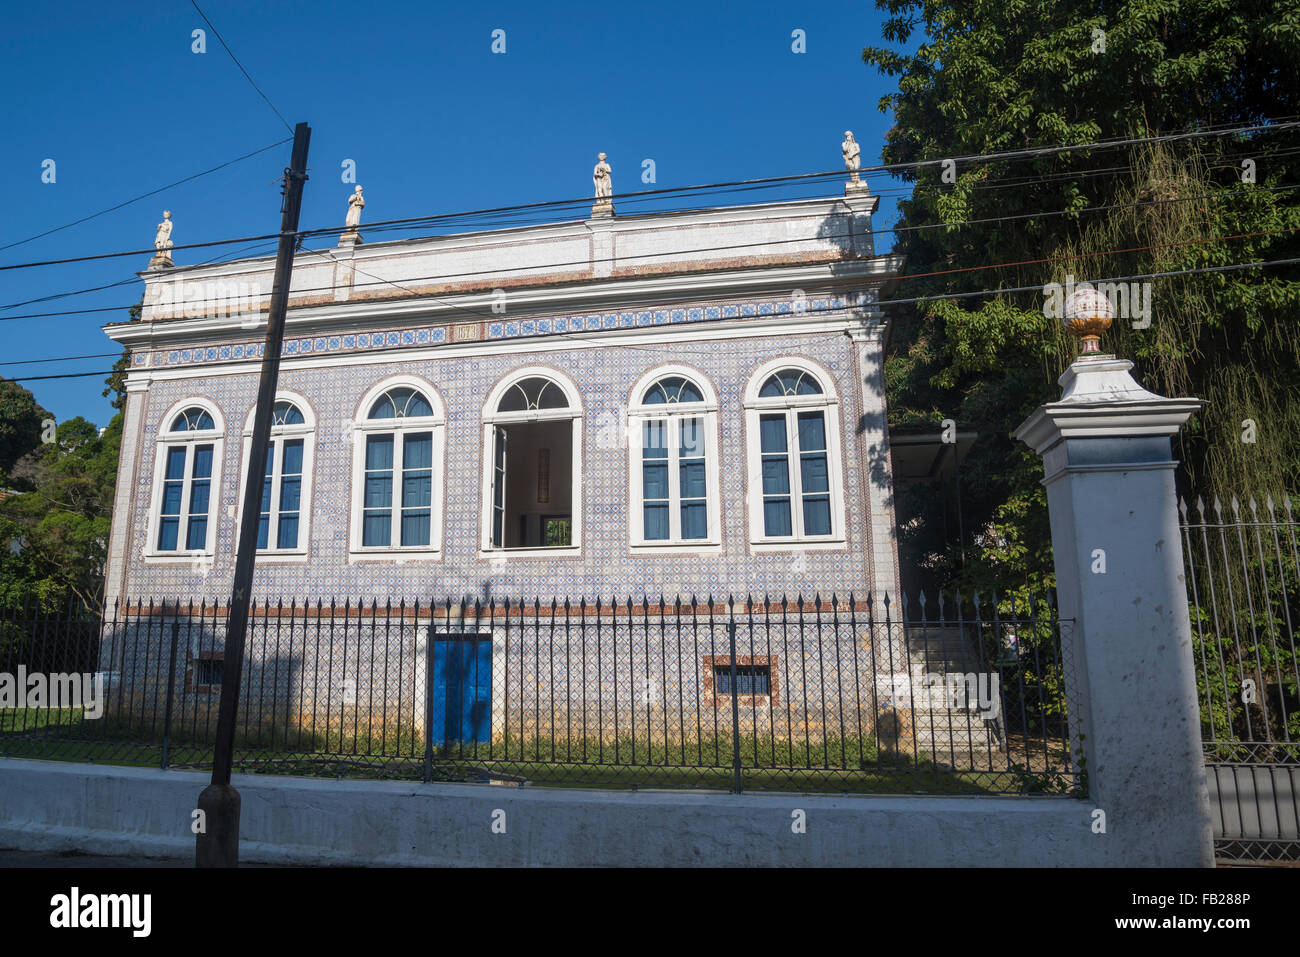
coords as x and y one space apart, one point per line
216 437
639 413
827 403
279 434
363 427
491 419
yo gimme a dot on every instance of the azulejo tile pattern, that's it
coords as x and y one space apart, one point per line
605 566
424 336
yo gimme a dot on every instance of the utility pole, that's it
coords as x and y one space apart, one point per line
218 844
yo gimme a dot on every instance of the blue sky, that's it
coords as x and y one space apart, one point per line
412 92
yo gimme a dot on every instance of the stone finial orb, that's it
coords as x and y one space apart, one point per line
1087 315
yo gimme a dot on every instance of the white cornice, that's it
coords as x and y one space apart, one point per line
592 296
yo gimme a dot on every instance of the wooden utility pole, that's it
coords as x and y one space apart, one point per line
218 841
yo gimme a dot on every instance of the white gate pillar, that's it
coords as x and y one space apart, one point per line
1131 687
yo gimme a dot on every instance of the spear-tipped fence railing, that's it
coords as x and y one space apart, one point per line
1243 587
958 693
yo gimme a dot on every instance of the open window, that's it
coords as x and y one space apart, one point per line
532 438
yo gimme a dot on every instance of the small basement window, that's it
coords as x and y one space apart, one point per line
206 673
750 679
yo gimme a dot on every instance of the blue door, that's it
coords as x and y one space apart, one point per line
462 689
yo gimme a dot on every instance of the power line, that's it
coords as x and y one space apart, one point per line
1230 267
897 230
241 67
737 246
152 192
894 302
32 362
431 219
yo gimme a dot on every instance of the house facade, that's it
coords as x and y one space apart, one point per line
685 403
670 404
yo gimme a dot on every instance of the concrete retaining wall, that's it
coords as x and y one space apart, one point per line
47 805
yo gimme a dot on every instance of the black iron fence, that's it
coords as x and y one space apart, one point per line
960 694
1243 584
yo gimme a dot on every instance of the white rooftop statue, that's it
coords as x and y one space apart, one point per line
163 242
351 236
852 152
603 208
600 177
355 204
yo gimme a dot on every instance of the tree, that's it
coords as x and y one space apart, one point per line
62 526
994 77
21 424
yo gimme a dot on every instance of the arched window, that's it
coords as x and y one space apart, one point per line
533 453
188 463
794 463
673 461
286 486
397 469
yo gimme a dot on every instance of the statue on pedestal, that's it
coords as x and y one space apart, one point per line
352 224
163 242
852 153
600 178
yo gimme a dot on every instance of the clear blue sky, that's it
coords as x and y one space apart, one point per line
435 121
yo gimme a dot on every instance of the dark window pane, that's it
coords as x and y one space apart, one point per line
776 517
817 515
199 498
376 529
417 490
378 492
776 475
202 461
175 463
383 408
654 480
288 531
290 494
171 498
749 679
656 522
772 431
379 452
814 474
417 451
695 520
415 528
196 536
692 478
167 531
292 457
812 432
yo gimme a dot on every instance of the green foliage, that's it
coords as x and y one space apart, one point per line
20 425
989 77
54 538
